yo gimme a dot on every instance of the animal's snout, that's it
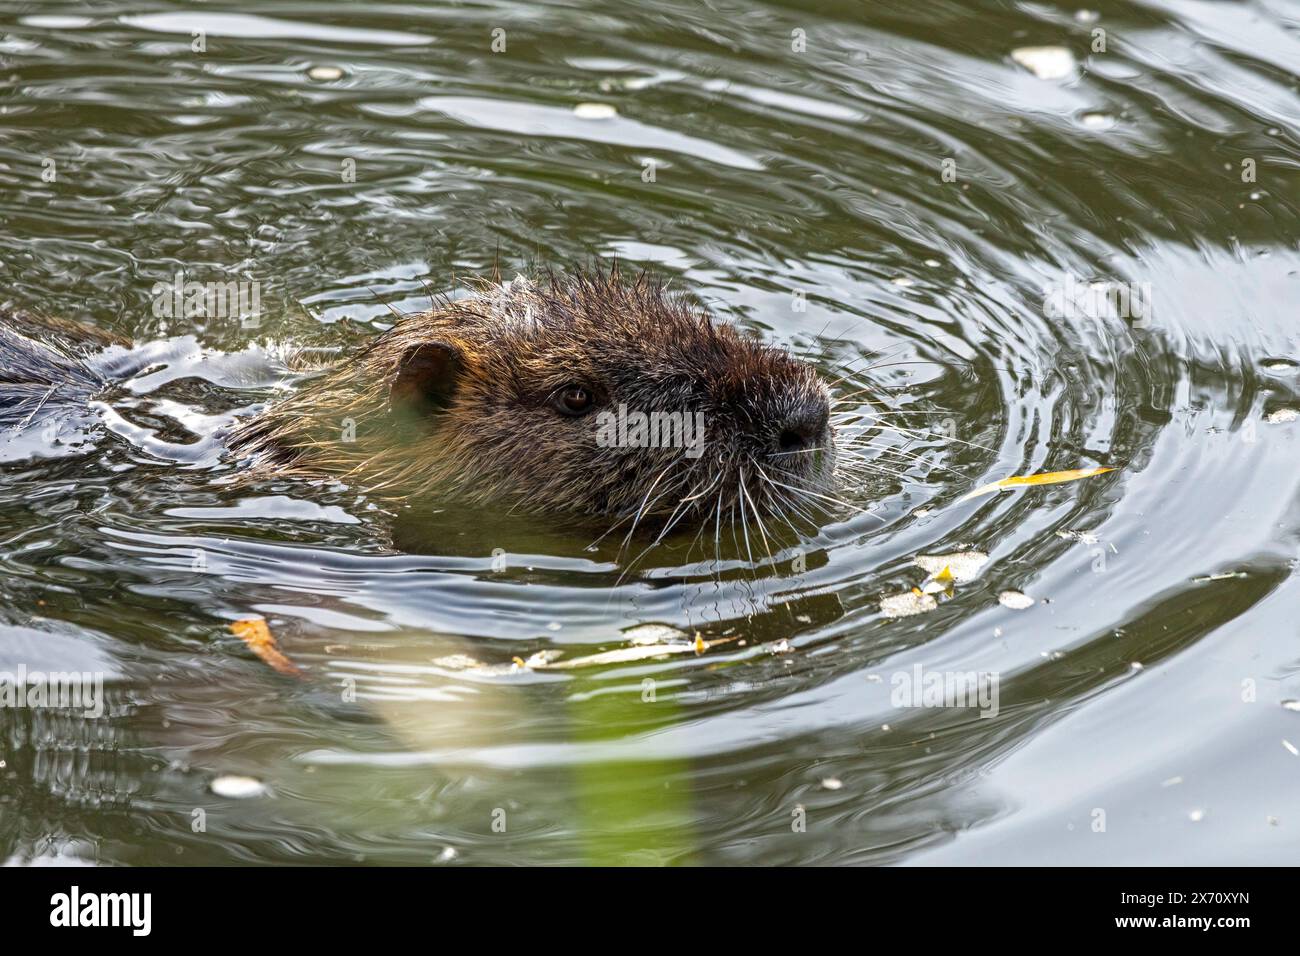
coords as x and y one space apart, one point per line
804 425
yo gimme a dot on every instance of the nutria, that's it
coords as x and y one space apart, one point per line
41 356
555 397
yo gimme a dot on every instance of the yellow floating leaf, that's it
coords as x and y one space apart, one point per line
943 582
257 636
1021 481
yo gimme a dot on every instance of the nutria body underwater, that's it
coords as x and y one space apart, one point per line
584 396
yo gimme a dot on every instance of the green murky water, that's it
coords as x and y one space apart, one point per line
884 186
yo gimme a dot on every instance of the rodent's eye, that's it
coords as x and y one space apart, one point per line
574 400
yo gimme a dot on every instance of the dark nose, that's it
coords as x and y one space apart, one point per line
804 426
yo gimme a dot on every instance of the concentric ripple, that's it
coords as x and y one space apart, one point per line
885 189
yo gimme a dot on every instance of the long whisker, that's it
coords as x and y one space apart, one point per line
625 517
696 540
865 410
836 501
641 510
800 451
908 456
762 529
673 518
717 531
744 521
785 507
910 431
785 504
849 370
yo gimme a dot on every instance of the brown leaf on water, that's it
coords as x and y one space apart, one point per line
260 641
1021 481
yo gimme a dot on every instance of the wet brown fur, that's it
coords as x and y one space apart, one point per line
493 432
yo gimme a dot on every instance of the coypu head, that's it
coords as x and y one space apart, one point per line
592 395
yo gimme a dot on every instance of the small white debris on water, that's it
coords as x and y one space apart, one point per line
1220 576
542 658
884 727
1086 16
1171 782
447 855
553 626
832 783
781 647
875 678
456 662
933 263
907 604
1097 120
962 565
1280 416
1136 665
325 73
920 512
1045 62
594 111
1016 600
654 634
935 586
237 788
1279 365
1291 704
1291 747
903 282
1196 816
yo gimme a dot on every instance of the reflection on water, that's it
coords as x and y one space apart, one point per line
1037 262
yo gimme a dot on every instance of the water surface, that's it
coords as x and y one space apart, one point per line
788 168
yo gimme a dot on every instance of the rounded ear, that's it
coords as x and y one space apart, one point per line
426 377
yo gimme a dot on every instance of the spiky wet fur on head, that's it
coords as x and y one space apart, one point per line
460 403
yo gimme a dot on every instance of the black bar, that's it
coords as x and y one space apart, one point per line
254 906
